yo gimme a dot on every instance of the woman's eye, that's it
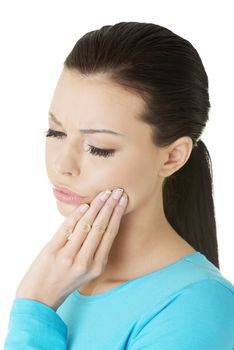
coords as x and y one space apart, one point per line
101 152
54 133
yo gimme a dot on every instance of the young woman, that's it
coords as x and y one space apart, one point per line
140 272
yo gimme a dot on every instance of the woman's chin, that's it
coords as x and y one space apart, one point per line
64 208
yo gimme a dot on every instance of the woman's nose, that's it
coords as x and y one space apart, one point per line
65 171
67 161
67 164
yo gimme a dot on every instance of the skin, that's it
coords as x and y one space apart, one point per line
145 240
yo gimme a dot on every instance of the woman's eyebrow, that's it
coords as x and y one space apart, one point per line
85 131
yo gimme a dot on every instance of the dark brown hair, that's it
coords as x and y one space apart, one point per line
166 71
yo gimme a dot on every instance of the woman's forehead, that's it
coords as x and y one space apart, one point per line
97 103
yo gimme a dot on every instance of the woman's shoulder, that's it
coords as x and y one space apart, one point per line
206 284
218 291
200 315
193 291
208 305
192 274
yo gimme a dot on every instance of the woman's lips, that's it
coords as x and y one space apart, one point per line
64 195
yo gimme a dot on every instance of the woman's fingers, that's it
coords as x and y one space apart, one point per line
59 240
63 232
102 252
100 227
80 234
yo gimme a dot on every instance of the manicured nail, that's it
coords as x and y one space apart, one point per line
105 195
84 207
117 193
123 200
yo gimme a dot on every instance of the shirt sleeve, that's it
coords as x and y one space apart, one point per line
201 317
34 325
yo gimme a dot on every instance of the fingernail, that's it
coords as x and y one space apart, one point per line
105 195
83 207
123 200
117 193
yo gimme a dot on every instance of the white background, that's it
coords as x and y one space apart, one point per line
36 36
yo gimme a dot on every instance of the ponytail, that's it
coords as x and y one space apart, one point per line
188 203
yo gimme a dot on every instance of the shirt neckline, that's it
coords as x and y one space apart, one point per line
113 290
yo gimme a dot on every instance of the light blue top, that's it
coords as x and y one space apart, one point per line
187 305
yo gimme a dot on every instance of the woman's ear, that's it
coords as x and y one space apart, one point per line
175 156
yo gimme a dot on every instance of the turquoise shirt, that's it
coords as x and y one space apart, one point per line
187 305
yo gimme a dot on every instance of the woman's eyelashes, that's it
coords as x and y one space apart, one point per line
93 150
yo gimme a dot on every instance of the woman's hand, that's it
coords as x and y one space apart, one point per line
64 265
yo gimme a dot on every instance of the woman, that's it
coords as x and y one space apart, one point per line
139 272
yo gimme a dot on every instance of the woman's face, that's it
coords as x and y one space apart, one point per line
95 103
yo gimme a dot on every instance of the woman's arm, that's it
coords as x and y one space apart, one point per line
34 325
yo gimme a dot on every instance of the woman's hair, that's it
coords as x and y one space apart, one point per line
166 71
